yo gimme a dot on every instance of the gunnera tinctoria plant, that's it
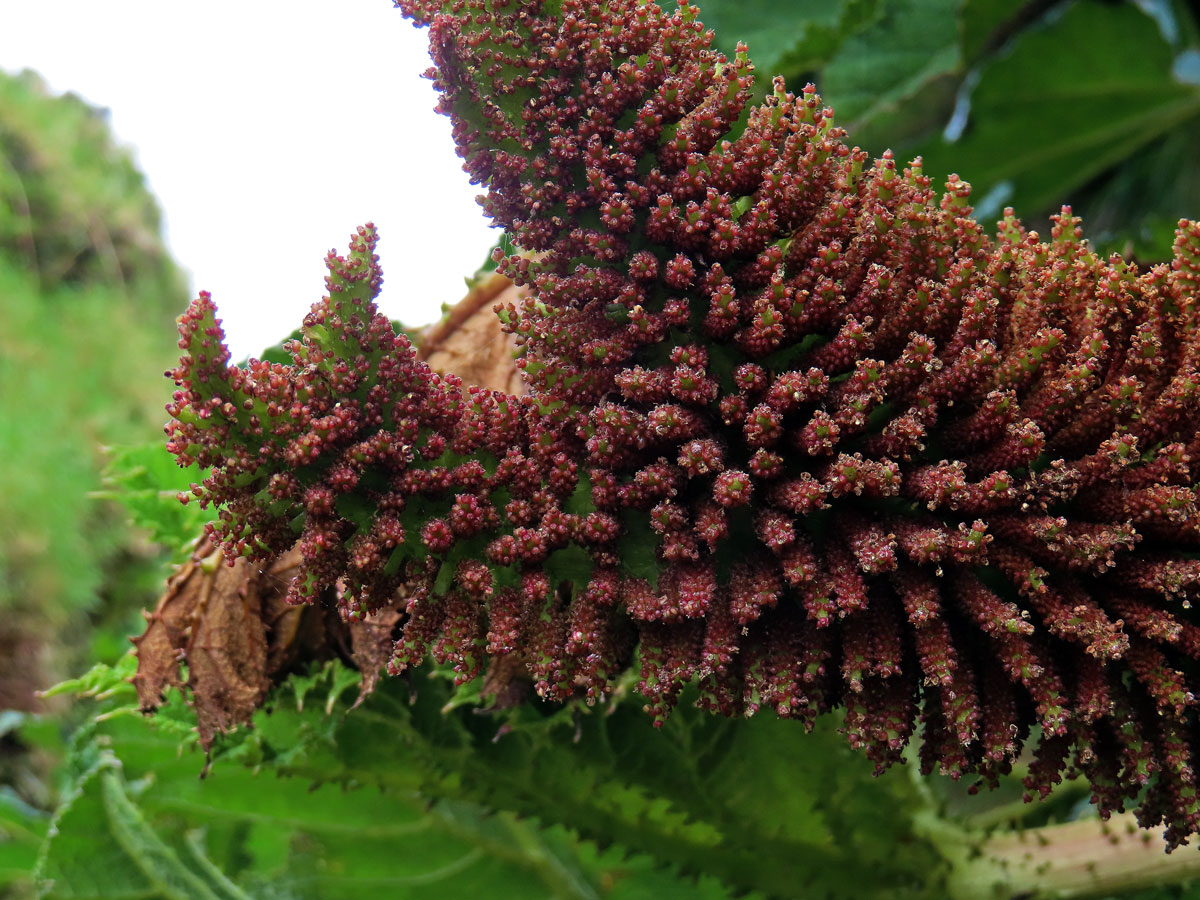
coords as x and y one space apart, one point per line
799 430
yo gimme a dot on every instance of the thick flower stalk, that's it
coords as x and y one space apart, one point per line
799 432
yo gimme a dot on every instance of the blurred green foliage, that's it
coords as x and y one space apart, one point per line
74 208
1094 103
71 394
87 296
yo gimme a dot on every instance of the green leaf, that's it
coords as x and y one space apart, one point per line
758 805
984 23
571 565
101 681
1074 97
22 830
146 480
276 354
878 69
148 827
103 848
790 39
638 548
1135 209
86 861
158 862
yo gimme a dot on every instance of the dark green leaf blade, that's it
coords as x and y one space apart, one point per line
1056 111
913 44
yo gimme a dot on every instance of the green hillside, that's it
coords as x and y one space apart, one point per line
87 297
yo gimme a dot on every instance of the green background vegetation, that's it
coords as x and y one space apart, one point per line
87 298
1092 103
1088 102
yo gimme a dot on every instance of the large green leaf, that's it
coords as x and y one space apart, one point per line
1135 210
702 807
1091 103
139 822
106 850
22 830
889 67
915 42
792 39
1059 109
983 24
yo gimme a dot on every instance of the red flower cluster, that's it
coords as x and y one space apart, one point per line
884 460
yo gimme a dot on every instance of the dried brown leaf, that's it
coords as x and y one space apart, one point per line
211 618
507 681
470 343
371 643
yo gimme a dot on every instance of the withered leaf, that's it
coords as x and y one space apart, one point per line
211 618
507 680
296 635
470 343
371 643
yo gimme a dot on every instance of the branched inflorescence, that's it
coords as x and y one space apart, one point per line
799 432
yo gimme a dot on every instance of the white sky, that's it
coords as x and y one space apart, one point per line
269 130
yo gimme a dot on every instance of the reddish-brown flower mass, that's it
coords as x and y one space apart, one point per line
800 431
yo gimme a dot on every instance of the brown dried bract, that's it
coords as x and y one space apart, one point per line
371 643
210 618
470 343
